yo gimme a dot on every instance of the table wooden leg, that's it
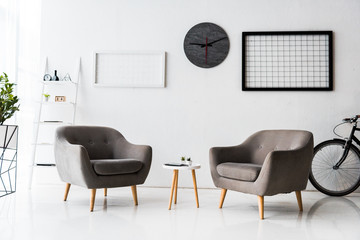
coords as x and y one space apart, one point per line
176 185
195 187
172 188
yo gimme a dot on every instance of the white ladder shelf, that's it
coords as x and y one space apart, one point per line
39 122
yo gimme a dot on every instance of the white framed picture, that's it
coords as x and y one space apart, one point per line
144 69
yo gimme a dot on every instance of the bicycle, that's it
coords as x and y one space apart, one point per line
335 169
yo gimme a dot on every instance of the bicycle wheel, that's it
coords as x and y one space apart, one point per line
335 182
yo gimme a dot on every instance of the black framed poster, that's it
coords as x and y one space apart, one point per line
291 60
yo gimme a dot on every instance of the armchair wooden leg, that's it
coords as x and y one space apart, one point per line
134 193
222 197
92 199
67 188
299 200
105 192
261 206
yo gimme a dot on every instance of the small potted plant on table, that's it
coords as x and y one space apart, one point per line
186 161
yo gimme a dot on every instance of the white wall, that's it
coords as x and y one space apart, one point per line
199 108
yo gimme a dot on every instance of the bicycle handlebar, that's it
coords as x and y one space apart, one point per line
353 119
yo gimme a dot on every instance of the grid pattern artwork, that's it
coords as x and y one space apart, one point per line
287 61
129 69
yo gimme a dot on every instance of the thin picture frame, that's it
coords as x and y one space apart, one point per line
129 69
287 61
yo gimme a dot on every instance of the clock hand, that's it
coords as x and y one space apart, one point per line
206 46
199 44
210 43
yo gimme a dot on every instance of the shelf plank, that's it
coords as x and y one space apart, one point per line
59 83
43 144
54 123
57 103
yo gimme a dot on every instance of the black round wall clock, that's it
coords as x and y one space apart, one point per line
206 45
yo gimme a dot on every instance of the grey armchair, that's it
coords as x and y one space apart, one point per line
99 157
269 162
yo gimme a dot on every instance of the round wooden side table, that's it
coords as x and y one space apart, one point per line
174 185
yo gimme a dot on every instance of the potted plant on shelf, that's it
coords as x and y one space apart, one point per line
8 136
46 97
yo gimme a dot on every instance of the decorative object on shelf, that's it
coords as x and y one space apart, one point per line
129 69
60 99
46 97
55 77
206 45
8 137
297 61
47 77
67 78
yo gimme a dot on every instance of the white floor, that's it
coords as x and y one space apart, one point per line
41 214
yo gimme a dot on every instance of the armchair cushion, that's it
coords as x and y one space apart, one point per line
239 171
116 166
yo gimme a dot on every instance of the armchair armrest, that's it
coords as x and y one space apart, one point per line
73 163
285 171
142 153
125 149
219 155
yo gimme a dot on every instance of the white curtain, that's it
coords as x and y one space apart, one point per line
20 24
9 27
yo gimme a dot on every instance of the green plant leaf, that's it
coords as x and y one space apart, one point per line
8 100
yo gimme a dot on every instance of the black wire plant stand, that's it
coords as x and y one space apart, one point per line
8 159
